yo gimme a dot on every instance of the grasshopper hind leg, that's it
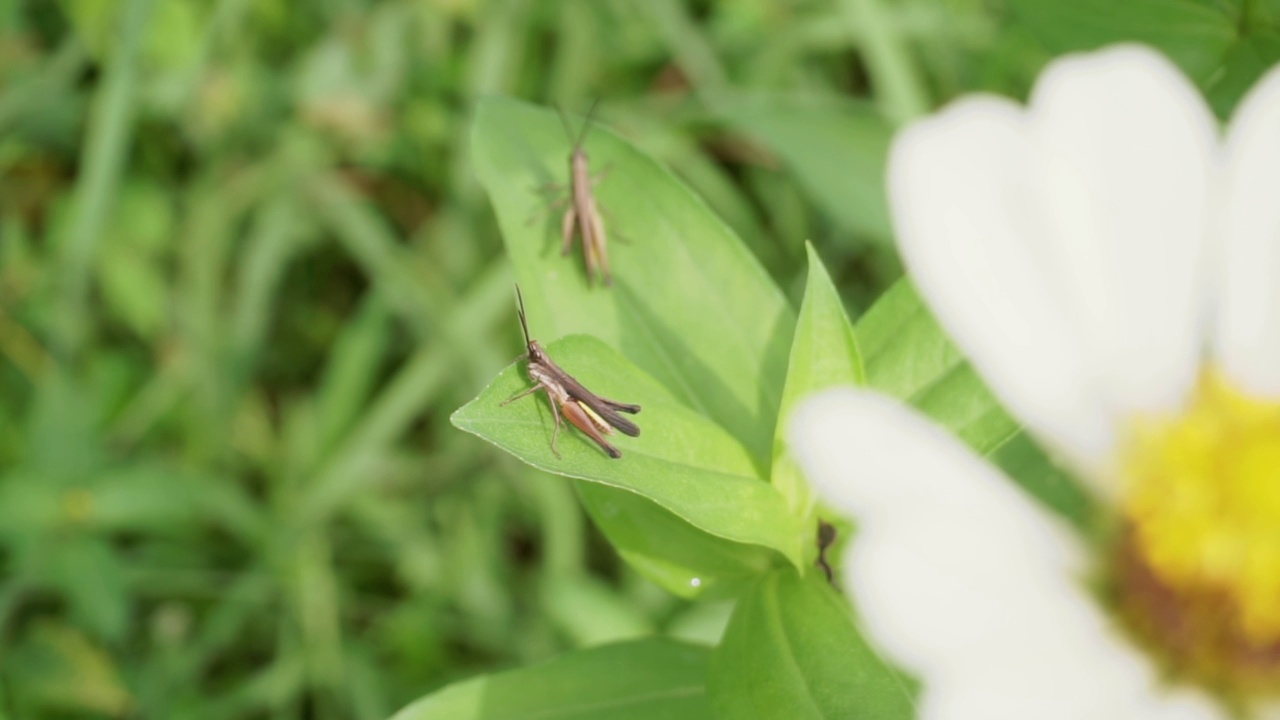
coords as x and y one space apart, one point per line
567 225
555 431
576 413
601 255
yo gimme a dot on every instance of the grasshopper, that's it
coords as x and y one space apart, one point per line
582 213
589 412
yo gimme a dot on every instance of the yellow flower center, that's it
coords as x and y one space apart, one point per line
1198 570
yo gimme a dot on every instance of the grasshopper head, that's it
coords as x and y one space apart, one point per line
578 164
536 353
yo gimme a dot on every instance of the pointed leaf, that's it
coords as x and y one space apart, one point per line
907 355
792 651
689 304
668 550
824 354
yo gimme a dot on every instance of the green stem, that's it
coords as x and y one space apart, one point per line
897 83
102 164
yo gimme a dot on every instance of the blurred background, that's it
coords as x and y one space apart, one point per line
246 274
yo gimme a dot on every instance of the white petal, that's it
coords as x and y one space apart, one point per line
963 580
1128 152
1061 247
1248 321
961 186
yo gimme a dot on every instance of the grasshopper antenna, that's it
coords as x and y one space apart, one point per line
568 131
564 120
524 323
586 123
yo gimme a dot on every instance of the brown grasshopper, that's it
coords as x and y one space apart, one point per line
589 412
582 213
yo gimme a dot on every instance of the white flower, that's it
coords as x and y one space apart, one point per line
1096 256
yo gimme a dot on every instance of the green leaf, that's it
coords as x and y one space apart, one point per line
57 666
1029 466
134 290
681 461
148 496
90 573
668 550
1194 33
836 149
689 304
792 651
653 678
824 353
1245 63
590 611
352 369
130 267
103 159
907 355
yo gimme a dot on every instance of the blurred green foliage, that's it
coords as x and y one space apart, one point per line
246 273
